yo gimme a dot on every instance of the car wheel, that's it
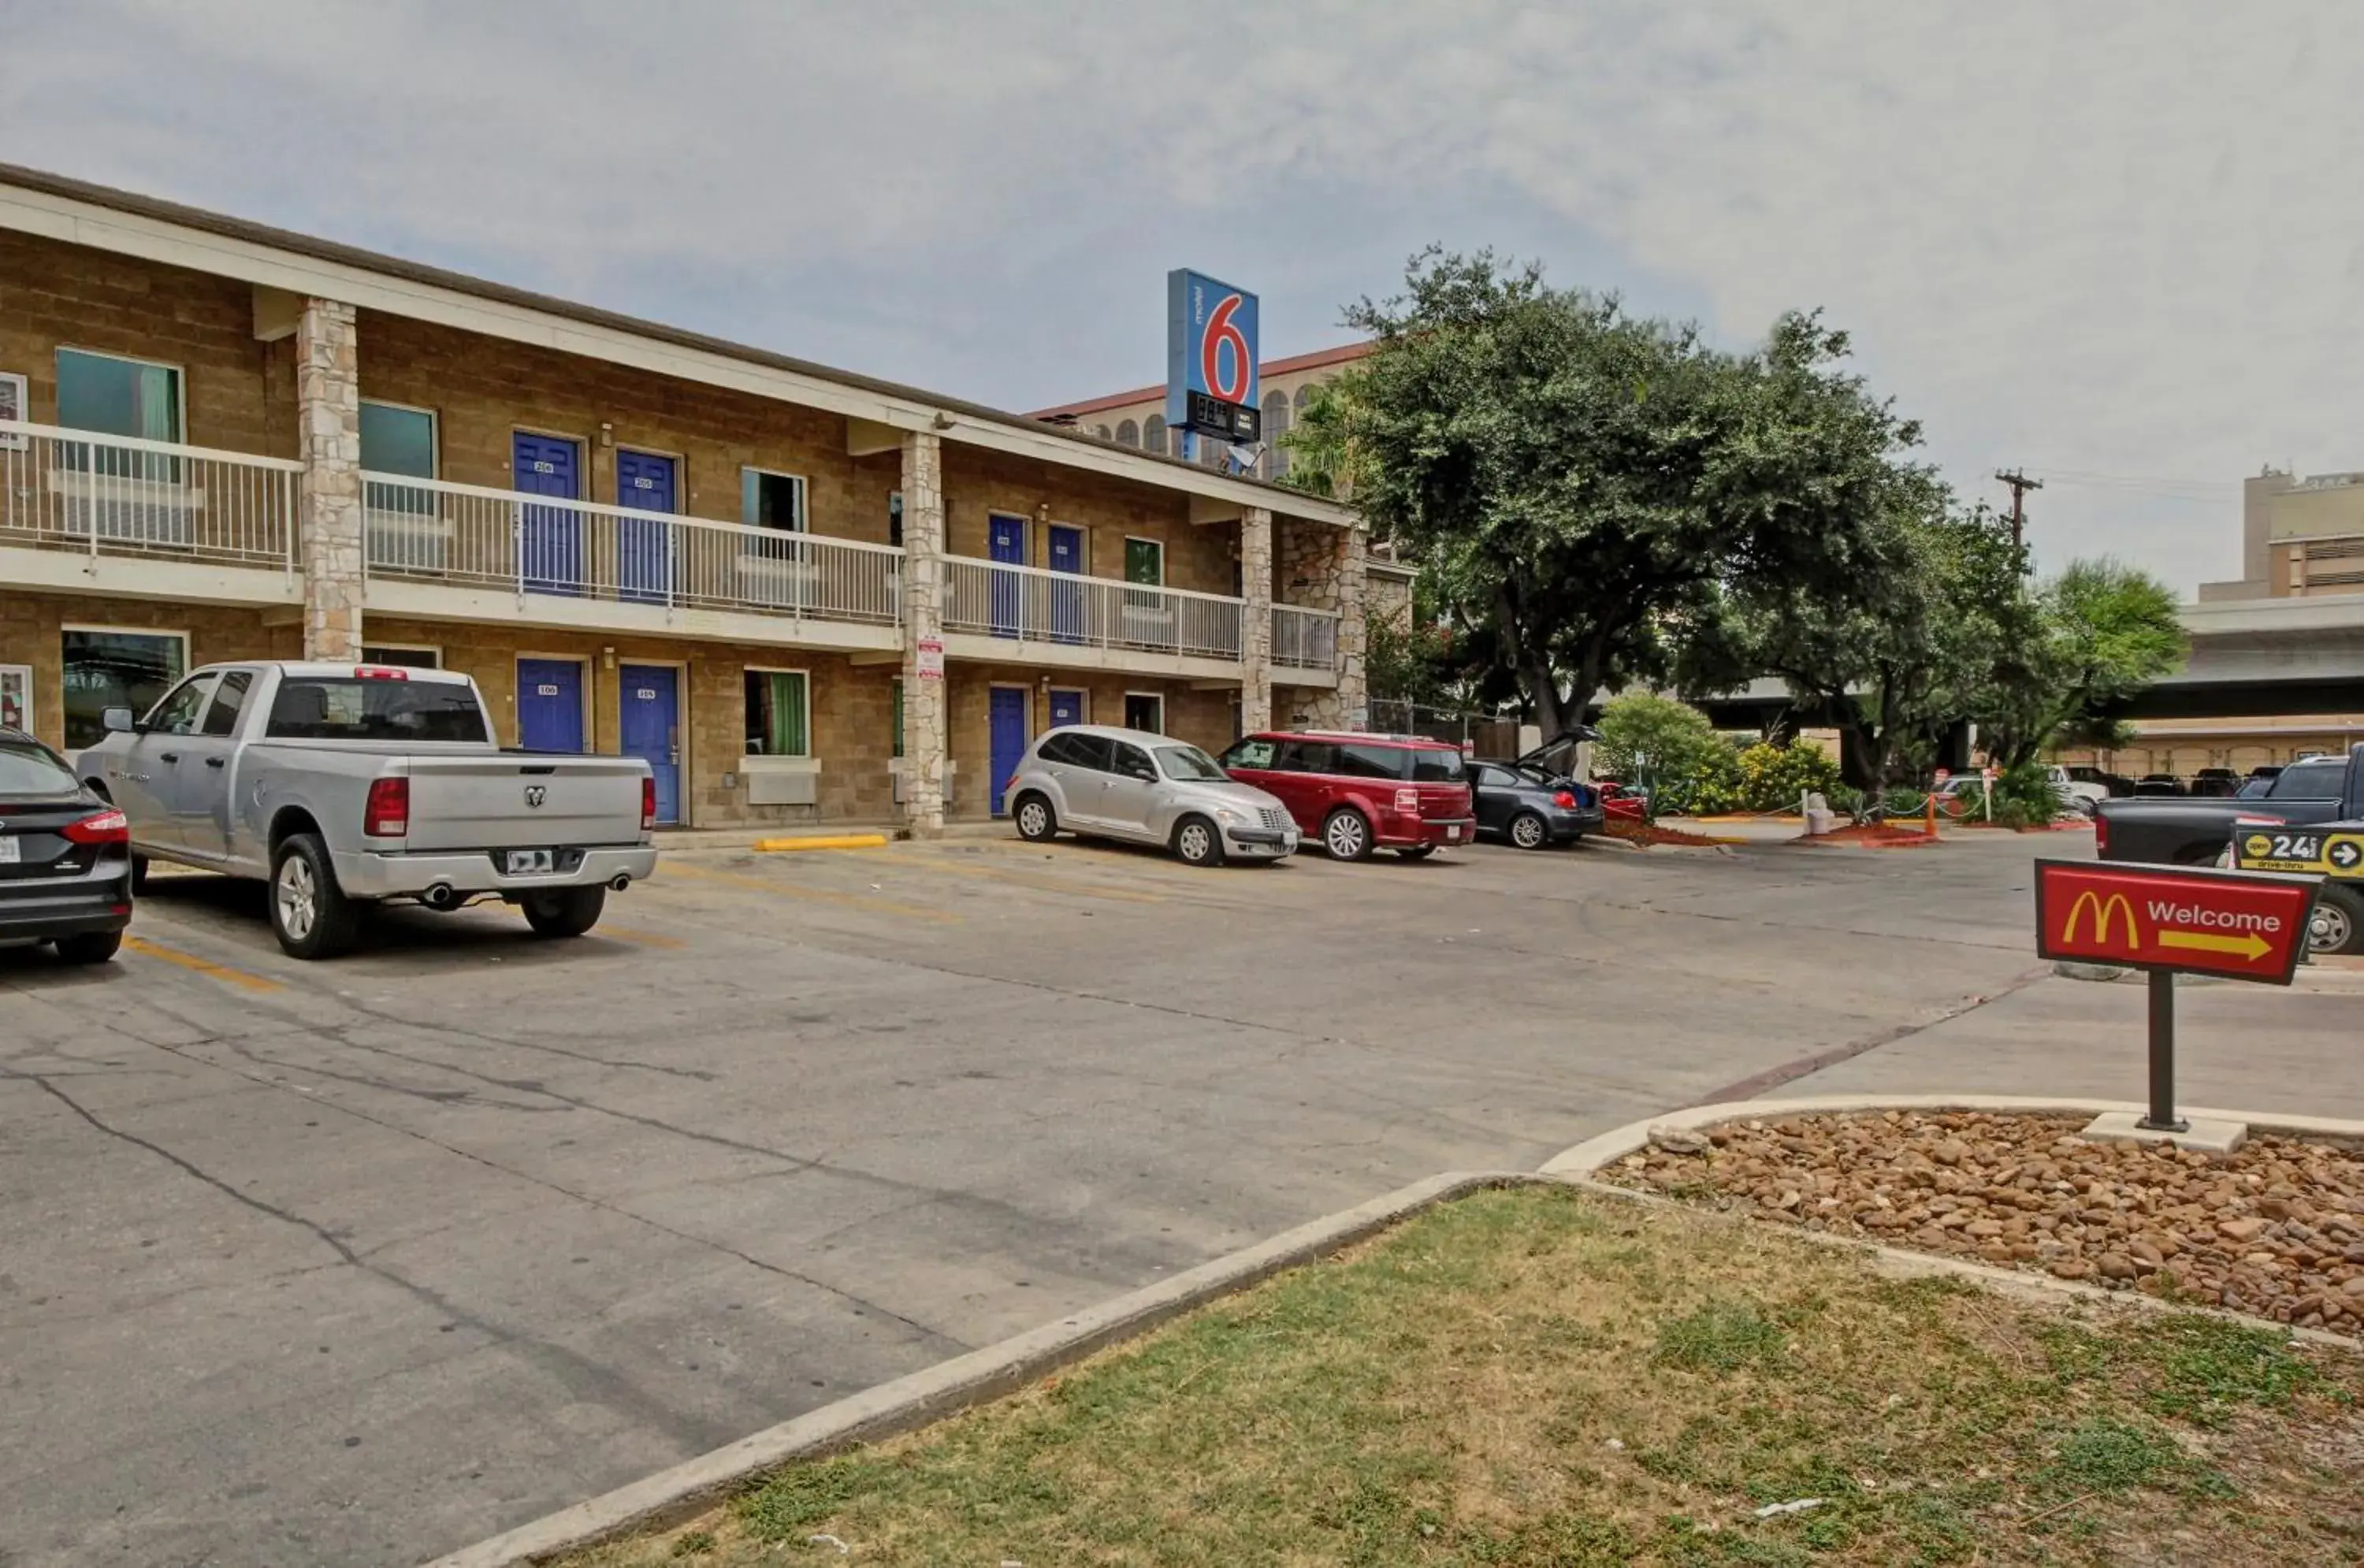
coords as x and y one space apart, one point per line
1196 842
1037 823
310 913
2339 923
92 947
1346 836
1528 832
565 914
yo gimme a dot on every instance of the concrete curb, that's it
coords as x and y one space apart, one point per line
907 1403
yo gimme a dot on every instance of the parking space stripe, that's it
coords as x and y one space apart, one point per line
206 967
805 890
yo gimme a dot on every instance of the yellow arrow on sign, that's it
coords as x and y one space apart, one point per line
2251 946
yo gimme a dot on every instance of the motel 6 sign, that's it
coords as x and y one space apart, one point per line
2239 925
1210 357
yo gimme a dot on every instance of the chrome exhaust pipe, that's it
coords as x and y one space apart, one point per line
621 880
439 897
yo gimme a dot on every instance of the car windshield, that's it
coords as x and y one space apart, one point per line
27 772
1188 764
327 707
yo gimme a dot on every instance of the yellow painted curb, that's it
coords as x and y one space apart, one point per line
824 842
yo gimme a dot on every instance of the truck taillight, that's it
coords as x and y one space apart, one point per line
648 804
2100 834
386 814
108 826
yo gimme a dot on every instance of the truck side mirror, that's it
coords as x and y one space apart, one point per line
117 721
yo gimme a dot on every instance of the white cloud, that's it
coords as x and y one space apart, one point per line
2108 238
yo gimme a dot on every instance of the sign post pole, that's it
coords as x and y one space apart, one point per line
2162 1118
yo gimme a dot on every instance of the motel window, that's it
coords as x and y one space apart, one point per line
779 714
115 669
1144 711
1128 434
1101 431
768 500
116 396
1276 425
895 519
406 657
1144 561
1152 434
397 441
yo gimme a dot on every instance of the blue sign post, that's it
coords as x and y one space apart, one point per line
1211 358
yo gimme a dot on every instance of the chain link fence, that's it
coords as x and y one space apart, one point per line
1478 734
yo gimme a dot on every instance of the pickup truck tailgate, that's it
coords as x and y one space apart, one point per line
518 800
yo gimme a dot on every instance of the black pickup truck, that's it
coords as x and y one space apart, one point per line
2196 831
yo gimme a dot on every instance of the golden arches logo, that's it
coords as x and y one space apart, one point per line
2105 914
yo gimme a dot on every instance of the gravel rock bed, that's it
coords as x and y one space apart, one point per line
2276 1230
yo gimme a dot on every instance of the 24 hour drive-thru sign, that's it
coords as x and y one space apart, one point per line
2172 920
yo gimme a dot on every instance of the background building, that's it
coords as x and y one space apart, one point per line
2298 537
1137 419
800 593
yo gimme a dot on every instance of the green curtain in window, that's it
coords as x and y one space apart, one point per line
783 724
1144 561
159 407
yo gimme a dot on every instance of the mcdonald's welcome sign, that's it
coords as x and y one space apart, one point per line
2242 925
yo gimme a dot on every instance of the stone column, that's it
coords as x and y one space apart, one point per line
328 440
1353 632
927 704
1255 620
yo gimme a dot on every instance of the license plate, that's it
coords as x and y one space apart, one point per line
11 851
1452 835
526 862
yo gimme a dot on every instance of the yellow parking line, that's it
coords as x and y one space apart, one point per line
190 961
645 938
800 890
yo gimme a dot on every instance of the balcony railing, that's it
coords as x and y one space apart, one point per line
423 530
1304 638
116 495
1027 604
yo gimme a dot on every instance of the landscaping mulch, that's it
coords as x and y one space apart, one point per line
1545 1376
1652 833
2275 1230
1875 835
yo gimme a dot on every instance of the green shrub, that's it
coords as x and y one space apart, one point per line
1902 802
1773 777
2026 793
1674 749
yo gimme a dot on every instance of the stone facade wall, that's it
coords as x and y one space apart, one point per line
1256 622
1199 558
328 440
1323 567
926 702
1388 600
238 392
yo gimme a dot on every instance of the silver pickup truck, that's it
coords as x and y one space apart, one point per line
352 784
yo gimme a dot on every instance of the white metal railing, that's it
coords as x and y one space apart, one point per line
1031 605
1304 638
72 490
434 531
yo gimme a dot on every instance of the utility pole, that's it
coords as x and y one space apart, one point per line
2020 485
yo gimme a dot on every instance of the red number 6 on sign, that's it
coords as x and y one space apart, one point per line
1223 332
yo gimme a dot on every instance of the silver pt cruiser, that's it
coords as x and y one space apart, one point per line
1152 789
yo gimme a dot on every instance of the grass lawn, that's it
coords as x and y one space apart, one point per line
1541 1376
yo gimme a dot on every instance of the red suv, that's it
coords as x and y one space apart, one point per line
1360 792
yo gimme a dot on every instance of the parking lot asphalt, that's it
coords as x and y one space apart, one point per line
360 1261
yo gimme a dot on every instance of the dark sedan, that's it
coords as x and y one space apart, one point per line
1530 807
65 857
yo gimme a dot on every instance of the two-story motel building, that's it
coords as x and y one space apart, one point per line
802 594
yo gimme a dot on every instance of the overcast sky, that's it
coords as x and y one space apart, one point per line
2118 243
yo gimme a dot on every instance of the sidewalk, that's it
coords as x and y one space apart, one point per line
684 838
